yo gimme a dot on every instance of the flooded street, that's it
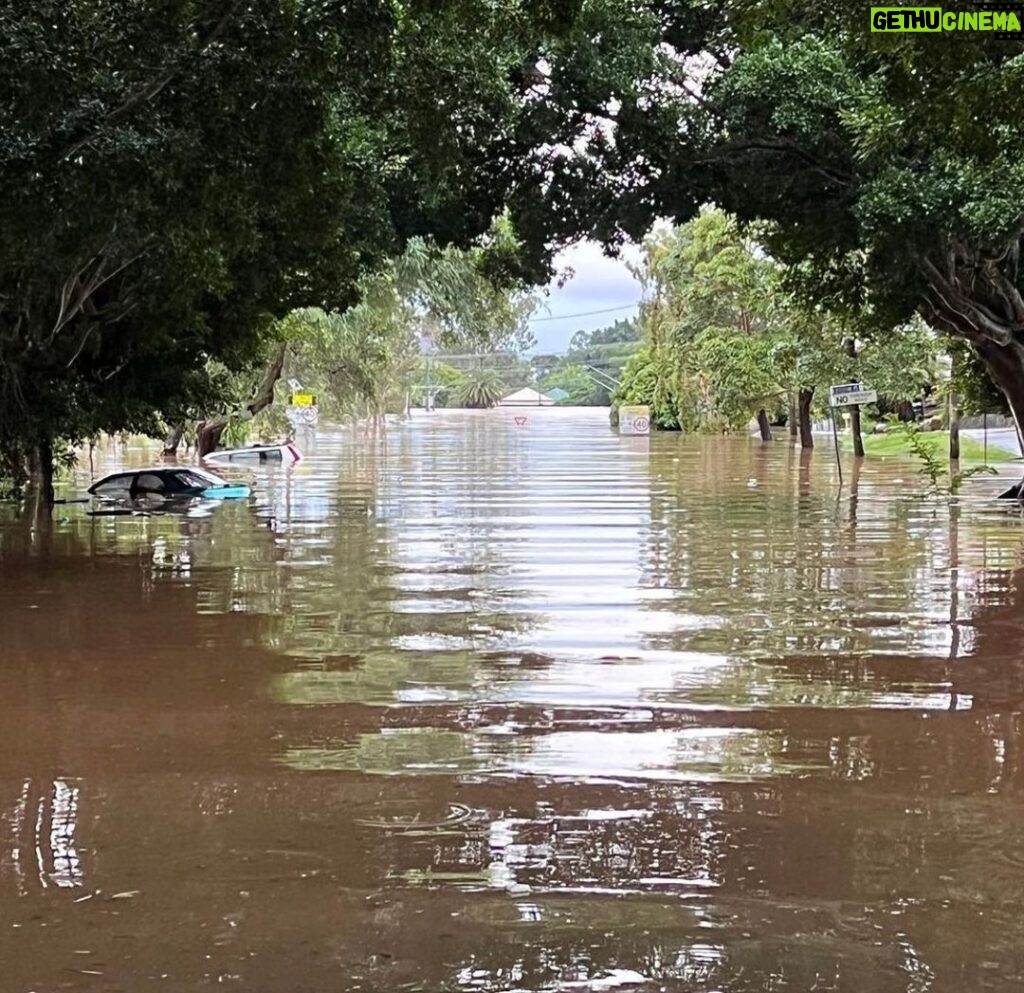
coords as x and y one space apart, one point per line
501 707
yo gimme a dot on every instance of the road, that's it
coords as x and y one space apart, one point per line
1004 438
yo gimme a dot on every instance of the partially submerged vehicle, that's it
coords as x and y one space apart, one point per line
167 483
286 453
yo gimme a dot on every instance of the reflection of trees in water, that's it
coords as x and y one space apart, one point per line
400 597
41 847
764 896
458 483
784 572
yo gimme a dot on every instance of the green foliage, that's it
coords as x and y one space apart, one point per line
358 360
484 387
930 463
363 360
621 332
594 363
643 383
890 169
574 379
728 335
177 177
465 297
739 375
976 392
896 445
444 381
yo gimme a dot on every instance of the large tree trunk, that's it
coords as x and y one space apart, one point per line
794 429
763 425
208 434
210 431
804 401
1005 364
954 427
858 440
42 477
972 292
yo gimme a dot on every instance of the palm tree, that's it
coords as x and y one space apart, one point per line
483 388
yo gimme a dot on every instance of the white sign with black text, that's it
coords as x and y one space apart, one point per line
851 394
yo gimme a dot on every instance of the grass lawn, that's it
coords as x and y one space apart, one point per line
896 446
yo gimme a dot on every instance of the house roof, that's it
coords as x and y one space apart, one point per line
526 397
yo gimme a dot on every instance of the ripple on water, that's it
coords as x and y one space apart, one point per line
520 708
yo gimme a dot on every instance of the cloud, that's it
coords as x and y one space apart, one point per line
598 283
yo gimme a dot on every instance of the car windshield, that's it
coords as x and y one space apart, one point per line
194 481
198 477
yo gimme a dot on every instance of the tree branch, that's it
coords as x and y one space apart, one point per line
956 303
783 147
151 89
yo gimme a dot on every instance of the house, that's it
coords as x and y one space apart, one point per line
526 397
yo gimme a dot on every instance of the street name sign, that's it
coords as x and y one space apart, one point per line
851 394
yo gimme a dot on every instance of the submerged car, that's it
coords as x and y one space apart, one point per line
286 453
167 482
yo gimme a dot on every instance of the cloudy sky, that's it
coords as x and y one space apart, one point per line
599 283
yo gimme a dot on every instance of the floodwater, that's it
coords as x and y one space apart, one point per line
502 706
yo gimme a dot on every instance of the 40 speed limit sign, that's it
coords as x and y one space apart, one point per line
634 420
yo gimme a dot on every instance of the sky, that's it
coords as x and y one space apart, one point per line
599 283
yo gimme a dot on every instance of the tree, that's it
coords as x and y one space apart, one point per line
903 153
617 333
176 179
731 336
644 383
712 319
361 359
483 388
581 389
444 382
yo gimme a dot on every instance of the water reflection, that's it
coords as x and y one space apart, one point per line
500 708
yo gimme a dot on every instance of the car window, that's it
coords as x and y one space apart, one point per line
191 480
150 482
116 484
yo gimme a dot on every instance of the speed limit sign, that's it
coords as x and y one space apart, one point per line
634 420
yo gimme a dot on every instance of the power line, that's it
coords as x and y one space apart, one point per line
585 313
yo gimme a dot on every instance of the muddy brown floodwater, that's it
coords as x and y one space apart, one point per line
517 707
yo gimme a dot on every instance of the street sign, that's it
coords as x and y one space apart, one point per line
303 400
634 420
302 416
850 395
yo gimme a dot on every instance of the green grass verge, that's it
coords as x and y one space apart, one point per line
897 446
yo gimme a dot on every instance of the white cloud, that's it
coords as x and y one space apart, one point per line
598 283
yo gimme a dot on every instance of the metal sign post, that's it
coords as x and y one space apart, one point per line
847 395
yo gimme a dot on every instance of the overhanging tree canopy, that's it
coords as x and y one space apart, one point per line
177 175
891 164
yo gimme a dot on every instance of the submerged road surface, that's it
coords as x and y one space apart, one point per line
502 707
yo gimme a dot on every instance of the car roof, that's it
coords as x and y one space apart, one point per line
161 470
